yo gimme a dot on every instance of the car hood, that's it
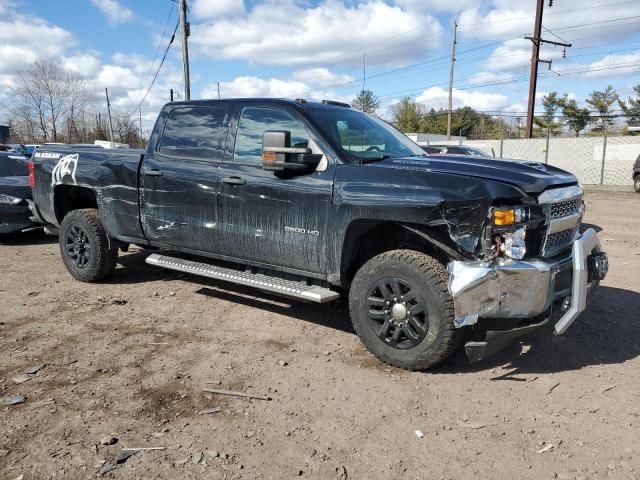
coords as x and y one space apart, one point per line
15 186
532 177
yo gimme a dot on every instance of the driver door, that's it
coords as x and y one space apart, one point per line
272 218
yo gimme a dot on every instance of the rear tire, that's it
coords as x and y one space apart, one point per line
402 311
636 183
84 246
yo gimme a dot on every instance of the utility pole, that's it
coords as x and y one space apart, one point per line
535 56
452 61
171 94
106 91
140 120
184 30
537 41
218 90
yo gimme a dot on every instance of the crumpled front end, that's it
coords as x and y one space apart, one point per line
564 267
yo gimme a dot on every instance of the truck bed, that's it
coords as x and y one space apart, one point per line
110 175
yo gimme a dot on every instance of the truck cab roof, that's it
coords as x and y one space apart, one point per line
299 103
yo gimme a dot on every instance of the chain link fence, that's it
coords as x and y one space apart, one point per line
593 160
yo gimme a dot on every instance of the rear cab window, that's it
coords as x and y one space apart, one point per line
195 132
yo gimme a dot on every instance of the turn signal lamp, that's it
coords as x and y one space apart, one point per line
269 157
504 217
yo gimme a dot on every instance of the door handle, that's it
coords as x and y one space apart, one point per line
152 172
234 180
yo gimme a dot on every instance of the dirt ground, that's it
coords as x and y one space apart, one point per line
129 359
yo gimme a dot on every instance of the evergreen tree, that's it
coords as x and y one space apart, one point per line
632 110
366 101
601 101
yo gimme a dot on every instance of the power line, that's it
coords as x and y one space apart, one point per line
407 67
173 36
516 79
437 59
580 25
155 57
548 14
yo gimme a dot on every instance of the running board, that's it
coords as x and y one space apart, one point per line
289 288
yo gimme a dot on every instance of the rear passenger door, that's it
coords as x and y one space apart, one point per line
178 181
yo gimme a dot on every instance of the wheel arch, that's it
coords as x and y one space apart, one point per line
365 239
72 197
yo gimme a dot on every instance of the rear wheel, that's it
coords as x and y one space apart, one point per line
402 311
636 183
84 246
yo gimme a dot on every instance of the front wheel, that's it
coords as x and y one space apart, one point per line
636 183
84 246
402 311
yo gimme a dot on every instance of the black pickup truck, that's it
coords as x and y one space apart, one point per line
315 200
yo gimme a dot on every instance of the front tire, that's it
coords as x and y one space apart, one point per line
402 311
636 183
84 246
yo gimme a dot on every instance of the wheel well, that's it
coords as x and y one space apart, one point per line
364 240
71 197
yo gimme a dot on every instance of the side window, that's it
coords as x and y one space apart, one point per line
196 132
254 121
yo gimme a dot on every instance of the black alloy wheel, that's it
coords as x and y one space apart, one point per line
78 246
86 249
396 314
402 310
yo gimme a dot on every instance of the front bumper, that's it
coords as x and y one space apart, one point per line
519 289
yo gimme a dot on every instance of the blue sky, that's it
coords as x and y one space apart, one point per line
316 49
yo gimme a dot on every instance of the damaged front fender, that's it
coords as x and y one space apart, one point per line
465 223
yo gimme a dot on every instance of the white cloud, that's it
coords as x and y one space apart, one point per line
511 54
485 77
282 32
217 8
257 87
437 98
615 65
322 77
24 39
612 65
113 10
249 86
438 5
114 76
86 64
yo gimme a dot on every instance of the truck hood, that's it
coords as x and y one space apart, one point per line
532 177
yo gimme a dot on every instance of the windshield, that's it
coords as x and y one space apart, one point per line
365 138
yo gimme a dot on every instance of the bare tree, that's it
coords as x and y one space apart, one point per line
77 118
50 101
125 129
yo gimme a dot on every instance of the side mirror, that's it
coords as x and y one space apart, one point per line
278 154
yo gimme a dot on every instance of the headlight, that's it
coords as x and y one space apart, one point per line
9 200
510 216
514 244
